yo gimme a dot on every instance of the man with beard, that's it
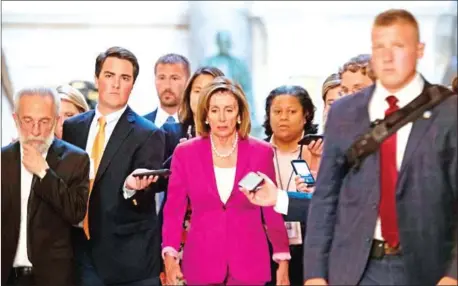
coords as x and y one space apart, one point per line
44 191
171 75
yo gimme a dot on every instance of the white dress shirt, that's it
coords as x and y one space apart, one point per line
377 107
21 259
162 115
224 182
111 121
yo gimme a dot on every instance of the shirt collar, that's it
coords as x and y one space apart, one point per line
112 117
271 141
161 113
405 95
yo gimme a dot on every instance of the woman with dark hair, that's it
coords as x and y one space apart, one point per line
289 117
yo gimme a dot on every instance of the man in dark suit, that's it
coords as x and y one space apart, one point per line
44 191
171 73
120 239
393 221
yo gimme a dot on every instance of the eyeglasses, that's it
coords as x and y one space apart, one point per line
349 91
43 124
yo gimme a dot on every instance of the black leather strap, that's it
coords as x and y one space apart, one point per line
369 142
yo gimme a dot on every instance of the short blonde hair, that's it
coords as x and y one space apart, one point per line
224 85
71 94
396 16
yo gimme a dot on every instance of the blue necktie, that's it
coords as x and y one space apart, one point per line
170 119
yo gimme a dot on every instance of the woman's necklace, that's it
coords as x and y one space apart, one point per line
218 154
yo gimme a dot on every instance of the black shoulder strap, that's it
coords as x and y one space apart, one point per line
369 142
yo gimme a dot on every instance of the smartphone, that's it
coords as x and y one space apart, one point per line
309 138
160 172
302 169
251 181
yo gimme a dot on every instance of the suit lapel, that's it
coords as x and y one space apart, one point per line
419 127
15 187
207 166
362 125
84 125
361 108
120 133
53 158
241 166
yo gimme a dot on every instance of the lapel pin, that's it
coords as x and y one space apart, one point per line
427 114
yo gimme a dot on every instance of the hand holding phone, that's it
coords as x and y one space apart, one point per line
160 173
302 169
140 179
259 189
251 181
307 139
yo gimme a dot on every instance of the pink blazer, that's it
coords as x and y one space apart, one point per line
223 237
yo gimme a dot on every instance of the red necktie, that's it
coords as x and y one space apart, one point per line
388 179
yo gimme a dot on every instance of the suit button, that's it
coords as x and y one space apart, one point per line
224 208
374 206
368 240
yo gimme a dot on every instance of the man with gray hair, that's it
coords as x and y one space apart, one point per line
44 189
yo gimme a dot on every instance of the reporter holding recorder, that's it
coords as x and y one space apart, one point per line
227 242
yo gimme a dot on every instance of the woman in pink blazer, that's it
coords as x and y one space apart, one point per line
227 241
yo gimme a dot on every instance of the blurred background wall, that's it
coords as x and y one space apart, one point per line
281 42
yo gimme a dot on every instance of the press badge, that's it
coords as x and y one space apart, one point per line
293 228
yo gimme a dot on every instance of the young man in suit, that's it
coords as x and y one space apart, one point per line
44 191
394 218
119 242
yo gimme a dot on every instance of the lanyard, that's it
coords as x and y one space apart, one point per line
279 173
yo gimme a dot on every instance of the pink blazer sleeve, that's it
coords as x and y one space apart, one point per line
176 203
276 230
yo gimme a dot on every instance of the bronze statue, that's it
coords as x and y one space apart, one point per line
233 67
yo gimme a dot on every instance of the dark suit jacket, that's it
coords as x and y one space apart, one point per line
125 239
151 116
173 133
55 203
297 210
344 207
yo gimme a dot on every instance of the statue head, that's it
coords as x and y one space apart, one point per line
224 42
